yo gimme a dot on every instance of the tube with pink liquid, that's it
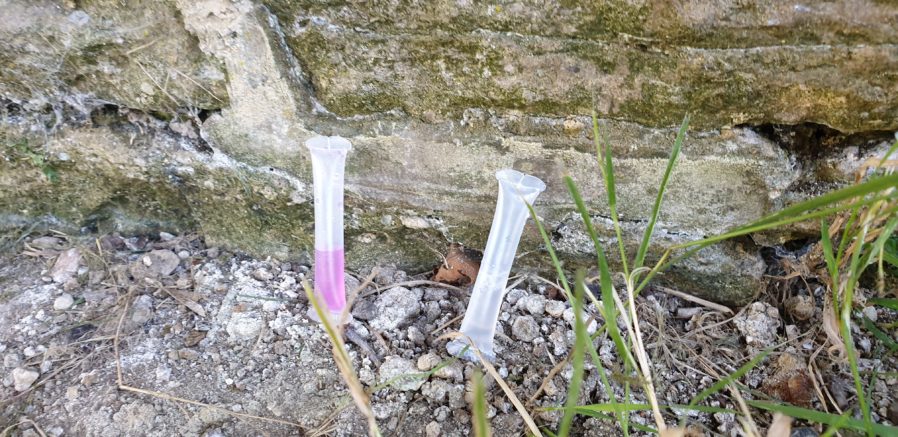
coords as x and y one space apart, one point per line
516 191
328 163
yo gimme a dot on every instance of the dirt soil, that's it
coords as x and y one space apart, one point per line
213 343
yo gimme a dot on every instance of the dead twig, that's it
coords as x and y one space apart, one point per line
413 284
693 299
9 428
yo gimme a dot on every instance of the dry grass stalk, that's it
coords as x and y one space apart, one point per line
344 362
693 299
6 431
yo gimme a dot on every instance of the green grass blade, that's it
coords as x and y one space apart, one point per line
872 185
887 341
607 167
723 382
481 426
834 428
555 262
584 214
888 154
765 224
828 255
854 272
890 257
626 408
824 418
580 339
885 303
622 418
656 209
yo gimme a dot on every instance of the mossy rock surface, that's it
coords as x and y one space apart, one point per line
180 115
133 53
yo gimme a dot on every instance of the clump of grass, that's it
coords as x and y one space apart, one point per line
867 234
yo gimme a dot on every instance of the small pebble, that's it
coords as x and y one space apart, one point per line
428 361
800 307
23 378
415 335
555 308
398 370
525 328
432 429
143 310
870 313
63 302
183 254
804 432
534 304
515 295
263 275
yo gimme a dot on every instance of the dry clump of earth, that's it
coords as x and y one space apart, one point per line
214 343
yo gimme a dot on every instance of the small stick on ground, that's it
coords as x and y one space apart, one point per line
414 284
447 324
554 371
693 299
9 428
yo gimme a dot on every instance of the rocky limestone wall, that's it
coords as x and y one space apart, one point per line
190 115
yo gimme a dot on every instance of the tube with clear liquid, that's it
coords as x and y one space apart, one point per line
328 164
516 191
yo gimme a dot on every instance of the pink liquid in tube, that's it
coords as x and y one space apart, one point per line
328 155
329 280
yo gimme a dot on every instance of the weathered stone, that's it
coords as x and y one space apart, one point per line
759 325
428 361
66 265
525 328
63 302
244 326
155 264
134 53
704 23
441 73
435 99
142 310
23 378
401 372
396 307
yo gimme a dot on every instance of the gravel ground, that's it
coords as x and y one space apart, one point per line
213 343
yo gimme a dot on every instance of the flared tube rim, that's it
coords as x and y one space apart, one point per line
334 143
520 182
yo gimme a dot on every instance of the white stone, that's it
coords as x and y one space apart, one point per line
244 326
534 304
63 302
23 378
400 370
396 307
555 308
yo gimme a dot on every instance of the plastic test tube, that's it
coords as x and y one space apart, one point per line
328 163
516 190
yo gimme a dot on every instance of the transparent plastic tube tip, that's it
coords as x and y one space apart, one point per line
516 190
328 163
